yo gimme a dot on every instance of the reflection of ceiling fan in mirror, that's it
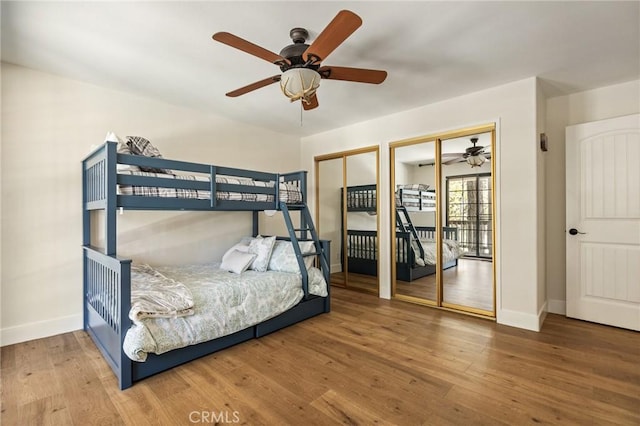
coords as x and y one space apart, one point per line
474 155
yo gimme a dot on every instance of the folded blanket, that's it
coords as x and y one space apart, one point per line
155 296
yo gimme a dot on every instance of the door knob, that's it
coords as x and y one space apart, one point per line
574 231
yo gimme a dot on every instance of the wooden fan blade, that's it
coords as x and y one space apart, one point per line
449 156
313 103
458 159
341 27
359 75
250 48
253 86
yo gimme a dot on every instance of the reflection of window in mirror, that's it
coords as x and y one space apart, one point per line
467 248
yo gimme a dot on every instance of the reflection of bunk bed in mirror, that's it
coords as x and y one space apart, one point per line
415 245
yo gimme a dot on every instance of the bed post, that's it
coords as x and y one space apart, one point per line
255 223
326 249
111 199
86 240
125 378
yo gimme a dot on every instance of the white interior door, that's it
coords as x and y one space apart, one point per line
603 221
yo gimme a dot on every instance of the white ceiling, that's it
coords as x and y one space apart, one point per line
431 50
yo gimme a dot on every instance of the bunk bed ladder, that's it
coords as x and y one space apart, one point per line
306 225
405 224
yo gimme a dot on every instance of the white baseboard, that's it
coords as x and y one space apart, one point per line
39 329
557 306
519 319
542 314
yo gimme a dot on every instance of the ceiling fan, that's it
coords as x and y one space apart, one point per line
474 155
300 63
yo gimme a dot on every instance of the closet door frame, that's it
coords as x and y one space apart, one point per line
438 138
344 155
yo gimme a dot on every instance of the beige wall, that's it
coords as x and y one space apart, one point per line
49 125
513 108
599 104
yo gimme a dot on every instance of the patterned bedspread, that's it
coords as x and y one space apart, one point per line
224 303
288 193
450 251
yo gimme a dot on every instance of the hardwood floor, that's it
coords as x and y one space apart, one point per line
368 361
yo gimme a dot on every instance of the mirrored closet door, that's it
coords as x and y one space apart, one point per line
467 217
329 181
414 168
443 220
347 214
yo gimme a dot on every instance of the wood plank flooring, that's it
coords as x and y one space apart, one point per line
369 361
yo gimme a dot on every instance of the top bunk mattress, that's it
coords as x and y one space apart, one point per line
288 193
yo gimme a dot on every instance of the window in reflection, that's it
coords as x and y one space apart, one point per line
467 223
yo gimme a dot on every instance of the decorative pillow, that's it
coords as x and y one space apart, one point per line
237 261
262 248
141 146
244 248
283 257
123 148
246 240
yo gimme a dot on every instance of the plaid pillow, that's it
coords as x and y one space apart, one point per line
141 146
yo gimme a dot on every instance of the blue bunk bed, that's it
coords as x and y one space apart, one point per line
107 277
362 245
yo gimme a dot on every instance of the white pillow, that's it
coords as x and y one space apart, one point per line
237 261
122 149
283 257
244 248
262 248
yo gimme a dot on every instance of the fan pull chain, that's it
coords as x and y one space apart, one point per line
301 110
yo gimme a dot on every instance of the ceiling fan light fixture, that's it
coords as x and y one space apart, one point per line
476 160
299 83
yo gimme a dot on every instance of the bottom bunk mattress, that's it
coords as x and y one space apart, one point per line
450 252
222 304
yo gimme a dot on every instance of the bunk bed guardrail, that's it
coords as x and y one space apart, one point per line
101 177
107 289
